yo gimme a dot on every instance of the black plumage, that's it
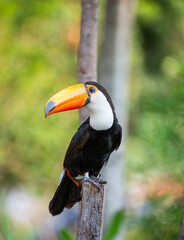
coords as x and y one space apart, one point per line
88 151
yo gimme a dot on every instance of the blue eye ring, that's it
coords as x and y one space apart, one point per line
92 89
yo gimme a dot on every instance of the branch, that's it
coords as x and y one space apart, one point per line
91 212
87 52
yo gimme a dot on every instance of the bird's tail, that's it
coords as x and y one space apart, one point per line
66 195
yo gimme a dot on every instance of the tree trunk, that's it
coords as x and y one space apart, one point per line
87 53
91 212
90 224
114 75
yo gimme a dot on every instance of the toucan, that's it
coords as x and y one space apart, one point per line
92 144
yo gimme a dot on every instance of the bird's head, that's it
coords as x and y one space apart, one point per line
90 94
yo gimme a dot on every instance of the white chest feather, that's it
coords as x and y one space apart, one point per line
101 115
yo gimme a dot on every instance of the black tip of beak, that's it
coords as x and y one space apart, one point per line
50 105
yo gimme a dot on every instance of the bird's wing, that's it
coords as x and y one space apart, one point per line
78 141
119 136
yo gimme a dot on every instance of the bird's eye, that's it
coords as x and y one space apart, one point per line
92 90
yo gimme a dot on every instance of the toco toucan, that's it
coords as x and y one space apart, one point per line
91 145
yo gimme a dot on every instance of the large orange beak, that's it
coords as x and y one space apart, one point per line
73 97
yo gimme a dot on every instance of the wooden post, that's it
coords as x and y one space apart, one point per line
91 212
87 52
90 225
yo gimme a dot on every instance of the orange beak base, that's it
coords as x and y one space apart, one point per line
73 97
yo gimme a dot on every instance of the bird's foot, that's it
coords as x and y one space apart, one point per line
88 179
97 179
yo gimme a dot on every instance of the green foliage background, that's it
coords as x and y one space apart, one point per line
36 61
155 144
38 56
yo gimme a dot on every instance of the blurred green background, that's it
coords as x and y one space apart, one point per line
38 56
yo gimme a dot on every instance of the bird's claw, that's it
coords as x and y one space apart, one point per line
94 180
97 179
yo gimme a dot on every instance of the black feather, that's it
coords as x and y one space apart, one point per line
89 151
66 195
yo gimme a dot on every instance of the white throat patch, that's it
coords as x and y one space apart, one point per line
101 115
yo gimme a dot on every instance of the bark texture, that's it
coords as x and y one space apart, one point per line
90 225
87 52
91 212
